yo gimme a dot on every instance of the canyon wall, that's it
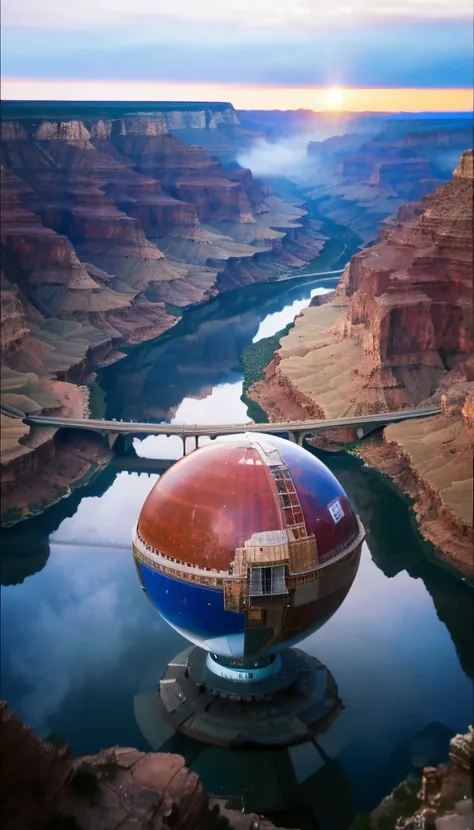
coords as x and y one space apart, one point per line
114 218
110 224
399 334
361 180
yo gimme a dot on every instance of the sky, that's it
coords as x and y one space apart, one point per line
376 54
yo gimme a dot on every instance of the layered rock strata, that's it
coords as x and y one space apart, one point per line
126 188
399 333
361 182
108 223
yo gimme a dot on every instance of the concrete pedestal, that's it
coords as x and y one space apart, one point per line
295 704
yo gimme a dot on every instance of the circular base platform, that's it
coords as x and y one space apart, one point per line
295 704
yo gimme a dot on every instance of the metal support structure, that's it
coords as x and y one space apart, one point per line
236 708
297 437
196 442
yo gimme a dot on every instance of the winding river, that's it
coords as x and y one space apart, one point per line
82 650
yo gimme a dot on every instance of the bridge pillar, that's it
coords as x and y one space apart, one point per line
121 442
366 429
196 442
112 437
296 437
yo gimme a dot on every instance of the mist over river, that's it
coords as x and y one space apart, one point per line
82 649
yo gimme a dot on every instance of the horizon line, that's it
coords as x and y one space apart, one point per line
196 102
334 98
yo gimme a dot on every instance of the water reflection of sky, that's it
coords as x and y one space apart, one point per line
275 322
392 657
223 405
74 627
109 518
81 635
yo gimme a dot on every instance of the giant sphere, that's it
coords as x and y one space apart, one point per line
247 545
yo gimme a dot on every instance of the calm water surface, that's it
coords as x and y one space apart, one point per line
82 650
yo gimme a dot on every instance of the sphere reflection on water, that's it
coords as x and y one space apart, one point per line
247 545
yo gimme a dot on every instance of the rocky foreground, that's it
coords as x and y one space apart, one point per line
442 800
110 226
399 333
42 787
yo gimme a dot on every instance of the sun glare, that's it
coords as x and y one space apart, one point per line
335 97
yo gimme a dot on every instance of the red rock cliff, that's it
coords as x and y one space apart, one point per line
89 208
364 181
412 292
400 331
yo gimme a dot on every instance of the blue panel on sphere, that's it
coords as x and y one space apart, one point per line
318 489
309 472
194 608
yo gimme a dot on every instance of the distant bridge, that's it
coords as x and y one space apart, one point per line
296 430
288 277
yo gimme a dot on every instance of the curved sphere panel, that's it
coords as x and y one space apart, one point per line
208 503
318 490
247 545
195 611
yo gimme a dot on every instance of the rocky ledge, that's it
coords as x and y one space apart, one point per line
43 787
399 333
442 800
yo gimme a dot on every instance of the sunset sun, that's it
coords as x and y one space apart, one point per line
335 97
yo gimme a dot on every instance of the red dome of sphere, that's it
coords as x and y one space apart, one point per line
247 545
213 501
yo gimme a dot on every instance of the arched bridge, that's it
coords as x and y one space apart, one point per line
295 430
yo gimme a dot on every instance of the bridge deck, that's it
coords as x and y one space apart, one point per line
192 430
